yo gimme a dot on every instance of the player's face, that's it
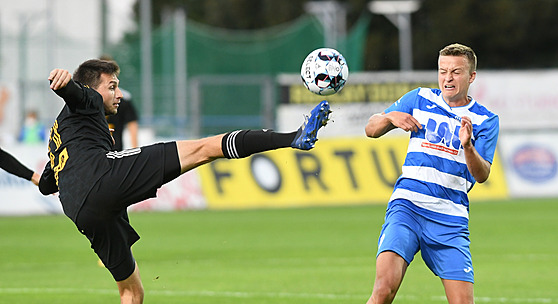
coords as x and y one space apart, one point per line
111 93
454 79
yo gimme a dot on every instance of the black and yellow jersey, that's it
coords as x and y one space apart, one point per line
78 143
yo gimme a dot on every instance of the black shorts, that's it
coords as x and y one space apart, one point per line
135 175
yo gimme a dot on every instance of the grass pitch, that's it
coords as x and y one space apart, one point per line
295 256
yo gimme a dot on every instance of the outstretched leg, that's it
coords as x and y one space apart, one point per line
243 143
194 153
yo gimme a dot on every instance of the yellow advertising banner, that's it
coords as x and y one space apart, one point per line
336 172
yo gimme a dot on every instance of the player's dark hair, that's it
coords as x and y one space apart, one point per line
89 72
457 49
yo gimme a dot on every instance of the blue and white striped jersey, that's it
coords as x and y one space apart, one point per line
435 178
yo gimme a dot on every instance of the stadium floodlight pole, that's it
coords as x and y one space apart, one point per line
399 13
332 16
180 71
23 46
104 26
26 21
51 39
146 61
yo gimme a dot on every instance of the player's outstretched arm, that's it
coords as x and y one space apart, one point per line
13 166
380 124
63 85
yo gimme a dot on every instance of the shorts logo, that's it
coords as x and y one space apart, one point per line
468 269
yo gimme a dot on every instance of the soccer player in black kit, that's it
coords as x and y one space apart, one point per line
97 184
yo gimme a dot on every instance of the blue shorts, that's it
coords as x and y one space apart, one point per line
444 247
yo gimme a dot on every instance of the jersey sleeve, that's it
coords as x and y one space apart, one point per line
47 183
405 103
487 137
80 98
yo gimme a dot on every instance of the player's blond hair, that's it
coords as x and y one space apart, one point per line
457 49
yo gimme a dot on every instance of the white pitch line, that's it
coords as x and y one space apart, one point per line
242 294
47 290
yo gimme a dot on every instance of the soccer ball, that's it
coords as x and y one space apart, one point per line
324 71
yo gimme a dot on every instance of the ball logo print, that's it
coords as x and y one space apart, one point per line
324 71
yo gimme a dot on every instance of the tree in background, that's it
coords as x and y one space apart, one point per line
508 34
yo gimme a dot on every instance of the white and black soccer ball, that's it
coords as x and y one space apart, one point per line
324 71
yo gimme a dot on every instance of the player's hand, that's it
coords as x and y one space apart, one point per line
466 131
404 121
59 78
36 178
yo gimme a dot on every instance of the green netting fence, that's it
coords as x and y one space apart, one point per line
214 51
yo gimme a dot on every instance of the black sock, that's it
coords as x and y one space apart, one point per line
243 143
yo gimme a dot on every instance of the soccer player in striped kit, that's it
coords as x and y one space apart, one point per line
452 144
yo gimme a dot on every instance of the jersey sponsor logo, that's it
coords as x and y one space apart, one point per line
440 137
439 148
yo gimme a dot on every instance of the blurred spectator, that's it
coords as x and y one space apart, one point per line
7 162
125 119
33 131
4 97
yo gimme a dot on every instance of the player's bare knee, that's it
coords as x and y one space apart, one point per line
132 294
383 293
